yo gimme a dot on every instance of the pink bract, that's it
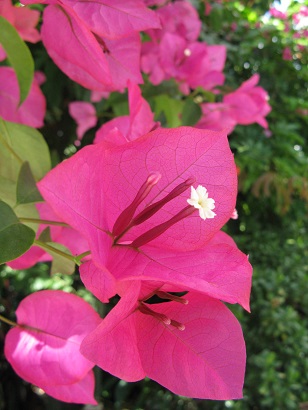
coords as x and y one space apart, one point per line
216 116
129 127
94 187
278 14
249 103
32 110
194 348
180 18
102 47
23 19
287 54
192 65
84 114
41 348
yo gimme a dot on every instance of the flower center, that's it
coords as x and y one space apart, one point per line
199 200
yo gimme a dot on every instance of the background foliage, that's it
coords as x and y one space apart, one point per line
272 205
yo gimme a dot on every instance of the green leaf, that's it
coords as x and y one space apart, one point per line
15 238
45 236
61 264
27 191
191 113
18 144
19 56
172 109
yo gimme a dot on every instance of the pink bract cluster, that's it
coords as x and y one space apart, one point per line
32 110
143 206
23 19
129 201
174 51
246 105
102 44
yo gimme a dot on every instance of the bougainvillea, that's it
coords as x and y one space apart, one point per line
140 210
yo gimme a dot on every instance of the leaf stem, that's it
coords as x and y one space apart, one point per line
81 256
43 221
76 259
8 321
50 248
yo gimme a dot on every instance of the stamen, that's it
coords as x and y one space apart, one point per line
160 229
152 209
160 316
169 296
177 325
124 219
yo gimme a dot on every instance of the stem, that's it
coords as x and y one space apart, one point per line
8 321
50 248
81 256
43 221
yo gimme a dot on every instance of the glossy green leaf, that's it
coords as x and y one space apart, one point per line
172 109
45 236
15 238
61 264
191 112
20 143
27 191
19 56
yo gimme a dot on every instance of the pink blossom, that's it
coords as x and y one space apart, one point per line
191 64
84 114
248 104
303 11
102 47
278 14
151 64
207 9
130 202
41 348
287 54
179 18
32 110
234 214
23 19
217 117
233 26
97 96
192 344
129 127
66 236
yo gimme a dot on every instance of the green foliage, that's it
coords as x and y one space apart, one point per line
19 56
15 238
26 190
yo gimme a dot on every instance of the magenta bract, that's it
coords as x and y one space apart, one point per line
32 110
52 325
93 188
194 348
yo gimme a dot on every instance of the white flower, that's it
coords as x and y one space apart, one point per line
199 198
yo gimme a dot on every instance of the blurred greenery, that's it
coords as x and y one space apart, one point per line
272 205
